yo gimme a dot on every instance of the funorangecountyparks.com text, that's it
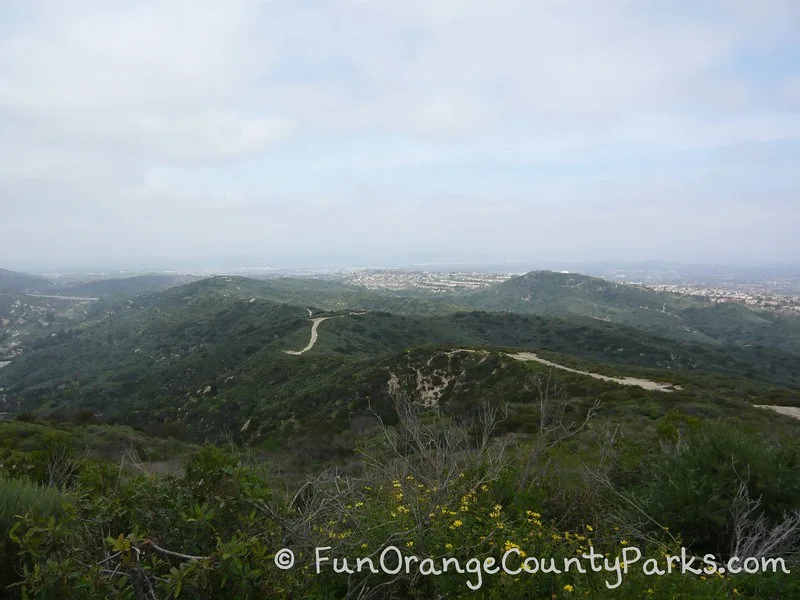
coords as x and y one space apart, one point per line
393 561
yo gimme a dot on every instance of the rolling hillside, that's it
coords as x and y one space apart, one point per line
13 281
210 354
125 286
691 319
103 417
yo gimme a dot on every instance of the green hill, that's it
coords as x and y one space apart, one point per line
125 286
430 422
13 281
211 354
676 316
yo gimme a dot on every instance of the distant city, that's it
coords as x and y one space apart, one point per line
767 287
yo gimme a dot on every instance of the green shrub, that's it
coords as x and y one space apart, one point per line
692 489
18 497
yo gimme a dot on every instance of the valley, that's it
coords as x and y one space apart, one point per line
554 392
142 358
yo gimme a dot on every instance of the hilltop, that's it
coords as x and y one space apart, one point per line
681 317
125 286
13 281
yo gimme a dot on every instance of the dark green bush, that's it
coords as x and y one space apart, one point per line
693 488
17 497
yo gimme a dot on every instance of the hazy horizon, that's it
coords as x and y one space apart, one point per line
348 133
122 268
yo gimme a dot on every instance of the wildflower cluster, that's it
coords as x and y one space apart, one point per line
468 521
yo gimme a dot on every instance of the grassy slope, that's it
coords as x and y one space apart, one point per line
680 317
321 295
94 440
126 286
14 281
211 354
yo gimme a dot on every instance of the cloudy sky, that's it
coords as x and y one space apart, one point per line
268 132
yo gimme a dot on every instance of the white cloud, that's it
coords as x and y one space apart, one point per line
256 115
791 90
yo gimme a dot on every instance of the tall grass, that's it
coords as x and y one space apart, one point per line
18 497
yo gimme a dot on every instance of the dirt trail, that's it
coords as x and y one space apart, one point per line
643 383
789 411
314 335
314 325
53 297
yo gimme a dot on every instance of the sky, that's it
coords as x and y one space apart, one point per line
300 132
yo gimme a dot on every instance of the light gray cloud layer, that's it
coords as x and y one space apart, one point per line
554 129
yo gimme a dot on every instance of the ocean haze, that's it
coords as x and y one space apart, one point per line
160 135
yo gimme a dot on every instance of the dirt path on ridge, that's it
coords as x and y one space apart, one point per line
314 334
642 383
789 411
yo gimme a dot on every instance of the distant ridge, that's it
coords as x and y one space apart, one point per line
687 318
14 281
127 285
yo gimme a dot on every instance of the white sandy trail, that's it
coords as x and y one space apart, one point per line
643 383
314 335
789 411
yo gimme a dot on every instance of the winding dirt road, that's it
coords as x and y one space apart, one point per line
642 383
314 335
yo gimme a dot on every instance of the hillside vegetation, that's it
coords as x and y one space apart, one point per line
13 281
410 422
125 286
691 319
